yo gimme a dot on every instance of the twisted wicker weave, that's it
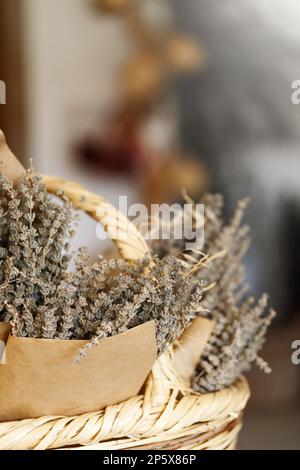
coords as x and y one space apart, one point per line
166 416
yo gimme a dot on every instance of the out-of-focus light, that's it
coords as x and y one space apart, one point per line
142 77
184 53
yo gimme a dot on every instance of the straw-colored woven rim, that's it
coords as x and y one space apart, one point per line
166 415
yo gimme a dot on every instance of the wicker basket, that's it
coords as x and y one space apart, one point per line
166 415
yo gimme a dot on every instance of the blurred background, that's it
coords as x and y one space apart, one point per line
146 97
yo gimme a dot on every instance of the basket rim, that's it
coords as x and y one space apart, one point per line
161 413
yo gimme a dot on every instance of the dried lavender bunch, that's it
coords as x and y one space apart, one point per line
227 243
152 289
42 299
240 326
238 335
34 251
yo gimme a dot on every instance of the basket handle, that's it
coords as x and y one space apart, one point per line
123 232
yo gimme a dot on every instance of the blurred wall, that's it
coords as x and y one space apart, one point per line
71 53
238 116
12 120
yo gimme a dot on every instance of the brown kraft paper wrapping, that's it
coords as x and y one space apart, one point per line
40 376
190 348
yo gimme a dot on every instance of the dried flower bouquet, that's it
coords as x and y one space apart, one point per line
41 298
56 314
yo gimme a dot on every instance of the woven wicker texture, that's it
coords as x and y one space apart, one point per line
163 417
166 416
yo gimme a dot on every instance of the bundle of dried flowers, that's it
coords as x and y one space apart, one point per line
240 325
128 295
34 252
42 299
239 333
